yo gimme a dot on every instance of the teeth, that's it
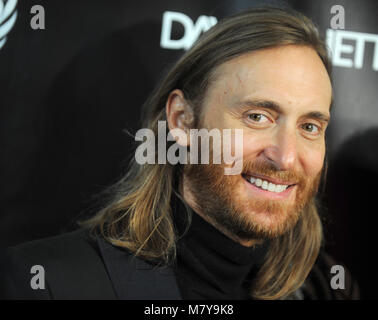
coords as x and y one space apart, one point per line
258 182
266 185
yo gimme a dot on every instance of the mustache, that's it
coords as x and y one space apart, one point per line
266 168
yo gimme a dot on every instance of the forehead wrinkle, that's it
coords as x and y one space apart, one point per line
229 86
254 72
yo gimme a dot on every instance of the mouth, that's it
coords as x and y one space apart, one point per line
268 184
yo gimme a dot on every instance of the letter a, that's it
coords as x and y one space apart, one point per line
338 20
37 281
338 280
38 21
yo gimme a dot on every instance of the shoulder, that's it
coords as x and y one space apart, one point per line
67 247
65 266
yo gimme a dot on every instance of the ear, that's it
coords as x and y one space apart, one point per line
179 115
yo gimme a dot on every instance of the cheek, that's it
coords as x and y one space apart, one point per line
253 145
313 160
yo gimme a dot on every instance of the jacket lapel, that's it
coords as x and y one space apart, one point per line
134 278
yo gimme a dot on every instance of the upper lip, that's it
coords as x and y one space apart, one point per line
270 179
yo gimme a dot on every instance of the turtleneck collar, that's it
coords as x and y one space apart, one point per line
210 265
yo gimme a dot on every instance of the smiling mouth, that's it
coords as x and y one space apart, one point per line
267 185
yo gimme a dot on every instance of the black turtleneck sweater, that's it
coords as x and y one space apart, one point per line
210 265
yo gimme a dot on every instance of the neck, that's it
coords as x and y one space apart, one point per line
189 198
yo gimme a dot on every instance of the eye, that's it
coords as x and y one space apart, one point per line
258 117
311 128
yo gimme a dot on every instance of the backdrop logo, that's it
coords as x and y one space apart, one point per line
8 16
191 30
351 55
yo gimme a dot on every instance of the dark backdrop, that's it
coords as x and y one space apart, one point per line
68 91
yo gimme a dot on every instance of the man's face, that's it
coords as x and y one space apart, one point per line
280 97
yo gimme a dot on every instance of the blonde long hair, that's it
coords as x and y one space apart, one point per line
138 215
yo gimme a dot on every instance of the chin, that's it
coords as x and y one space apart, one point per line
269 223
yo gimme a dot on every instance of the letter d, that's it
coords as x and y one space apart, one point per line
165 40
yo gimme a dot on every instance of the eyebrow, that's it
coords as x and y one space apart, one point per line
274 106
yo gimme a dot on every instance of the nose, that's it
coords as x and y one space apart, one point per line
282 151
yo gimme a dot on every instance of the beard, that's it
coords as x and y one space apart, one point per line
223 200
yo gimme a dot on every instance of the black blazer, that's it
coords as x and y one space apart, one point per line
80 266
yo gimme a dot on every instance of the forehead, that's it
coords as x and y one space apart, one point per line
290 75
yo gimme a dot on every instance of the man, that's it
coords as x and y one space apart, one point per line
188 230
